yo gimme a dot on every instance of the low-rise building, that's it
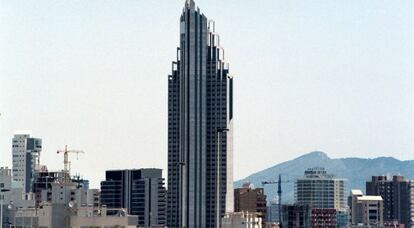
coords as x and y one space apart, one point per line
342 218
46 215
241 220
61 215
62 203
42 186
296 216
366 210
87 217
323 218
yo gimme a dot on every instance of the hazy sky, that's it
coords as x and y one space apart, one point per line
336 76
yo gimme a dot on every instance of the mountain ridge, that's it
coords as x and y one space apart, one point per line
354 170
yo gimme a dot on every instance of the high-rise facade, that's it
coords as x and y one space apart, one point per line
26 154
319 189
200 119
140 191
397 195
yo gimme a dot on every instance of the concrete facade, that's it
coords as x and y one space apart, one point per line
50 215
241 220
65 204
26 155
366 210
42 186
87 217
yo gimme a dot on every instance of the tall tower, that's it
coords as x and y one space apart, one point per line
26 154
200 126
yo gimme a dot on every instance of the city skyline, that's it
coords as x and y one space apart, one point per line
54 82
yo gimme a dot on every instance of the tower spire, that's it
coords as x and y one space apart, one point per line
190 4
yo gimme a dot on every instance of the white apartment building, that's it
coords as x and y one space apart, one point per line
320 189
26 154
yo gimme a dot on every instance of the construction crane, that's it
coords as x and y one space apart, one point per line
66 163
279 194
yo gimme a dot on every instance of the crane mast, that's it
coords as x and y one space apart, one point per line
279 194
66 162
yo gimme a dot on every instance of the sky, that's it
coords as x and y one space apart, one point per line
332 75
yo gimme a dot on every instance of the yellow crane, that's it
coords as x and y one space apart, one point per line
66 163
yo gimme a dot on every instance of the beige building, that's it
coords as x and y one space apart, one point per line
72 207
366 210
59 215
241 220
87 217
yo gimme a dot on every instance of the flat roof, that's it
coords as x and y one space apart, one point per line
370 198
356 192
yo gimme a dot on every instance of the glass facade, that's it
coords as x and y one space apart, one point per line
140 191
199 106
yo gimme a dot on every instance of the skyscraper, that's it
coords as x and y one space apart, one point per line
140 191
200 132
26 154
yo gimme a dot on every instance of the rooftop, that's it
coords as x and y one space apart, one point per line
356 192
370 198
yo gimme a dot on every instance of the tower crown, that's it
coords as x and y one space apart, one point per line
190 4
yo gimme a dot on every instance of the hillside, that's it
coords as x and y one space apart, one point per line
354 170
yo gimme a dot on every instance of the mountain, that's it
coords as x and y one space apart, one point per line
355 171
